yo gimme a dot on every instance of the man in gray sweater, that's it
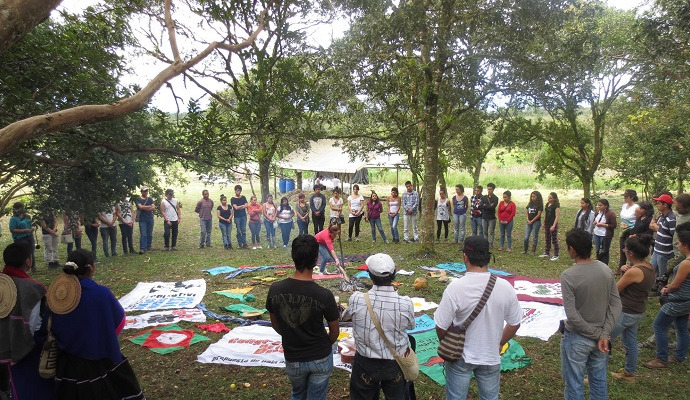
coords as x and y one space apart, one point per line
592 307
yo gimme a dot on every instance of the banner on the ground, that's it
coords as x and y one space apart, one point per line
533 289
164 318
540 320
422 304
253 346
164 295
167 339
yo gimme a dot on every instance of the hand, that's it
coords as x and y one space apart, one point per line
664 290
624 225
529 223
169 223
604 345
624 268
553 228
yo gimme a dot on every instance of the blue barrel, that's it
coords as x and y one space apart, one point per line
289 185
282 183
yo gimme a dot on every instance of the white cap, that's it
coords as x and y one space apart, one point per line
381 265
144 188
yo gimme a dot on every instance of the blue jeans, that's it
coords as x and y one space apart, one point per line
489 228
285 231
460 228
309 378
459 373
303 226
533 230
477 224
602 245
255 229
270 231
145 234
661 324
659 262
325 257
507 230
109 232
206 228
225 233
627 329
578 354
376 224
241 224
394 226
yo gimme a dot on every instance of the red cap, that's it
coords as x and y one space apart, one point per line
665 198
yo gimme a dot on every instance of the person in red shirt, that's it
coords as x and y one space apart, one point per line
325 240
506 213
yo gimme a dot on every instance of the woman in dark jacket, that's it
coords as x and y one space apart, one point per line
604 225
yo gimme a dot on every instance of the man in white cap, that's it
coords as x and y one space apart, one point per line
374 366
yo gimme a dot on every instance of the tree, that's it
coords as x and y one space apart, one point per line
426 63
587 62
36 126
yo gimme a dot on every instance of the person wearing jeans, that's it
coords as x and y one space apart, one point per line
239 206
326 250
476 220
506 214
170 208
204 208
224 213
592 307
49 230
123 209
145 208
394 214
410 202
91 230
552 211
307 346
489 204
604 225
72 226
374 210
534 209
269 209
460 203
255 210
108 231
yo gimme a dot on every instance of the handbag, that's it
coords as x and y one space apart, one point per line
453 343
409 364
49 354
67 238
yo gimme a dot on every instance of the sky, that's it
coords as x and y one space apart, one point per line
146 68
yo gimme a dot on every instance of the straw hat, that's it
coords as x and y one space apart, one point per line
8 295
64 294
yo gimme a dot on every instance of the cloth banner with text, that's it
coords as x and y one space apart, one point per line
150 296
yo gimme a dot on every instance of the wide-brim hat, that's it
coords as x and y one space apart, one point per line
64 294
8 295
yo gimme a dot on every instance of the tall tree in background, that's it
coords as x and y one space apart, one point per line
426 63
576 75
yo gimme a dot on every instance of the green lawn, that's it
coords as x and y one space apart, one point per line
179 376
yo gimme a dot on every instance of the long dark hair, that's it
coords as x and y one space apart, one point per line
580 222
556 203
285 206
539 203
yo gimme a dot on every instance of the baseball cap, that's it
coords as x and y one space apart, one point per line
476 245
144 188
665 198
380 264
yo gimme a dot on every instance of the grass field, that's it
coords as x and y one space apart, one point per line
179 376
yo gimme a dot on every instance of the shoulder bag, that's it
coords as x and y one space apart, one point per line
408 362
49 354
453 343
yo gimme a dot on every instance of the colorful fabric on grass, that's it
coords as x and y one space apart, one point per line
540 320
217 327
241 294
421 304
225 318
164 318
247 269
240 308
362 274
320 277
422 323
164 295
253 346
431 364
167 339
219 270
461 269
533 289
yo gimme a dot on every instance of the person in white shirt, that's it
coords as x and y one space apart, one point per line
374 367
170 208
628 220
107 220
354 203
486 335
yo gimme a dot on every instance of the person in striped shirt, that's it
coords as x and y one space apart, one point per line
664 227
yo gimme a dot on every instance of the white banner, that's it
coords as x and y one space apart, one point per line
254 345
422 304
164 318
540 320
164 295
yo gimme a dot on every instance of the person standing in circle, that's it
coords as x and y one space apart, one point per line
240 205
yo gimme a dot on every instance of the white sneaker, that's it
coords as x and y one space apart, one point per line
544 255
554 258
253 247
356 238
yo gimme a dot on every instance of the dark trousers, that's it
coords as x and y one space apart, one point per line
551 237
255 229
92 234
29 239
353 222
369 375
438 228
167 229
109 232
622 260
303 226
76 244
126 231
318 222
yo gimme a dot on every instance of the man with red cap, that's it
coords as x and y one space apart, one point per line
664 227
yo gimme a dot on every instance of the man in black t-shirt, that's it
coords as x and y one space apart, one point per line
298 307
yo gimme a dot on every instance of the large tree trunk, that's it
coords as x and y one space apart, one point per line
19 17
476 172
264 177
428 217
586 185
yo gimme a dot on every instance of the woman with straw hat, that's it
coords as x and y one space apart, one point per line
23 327
86 321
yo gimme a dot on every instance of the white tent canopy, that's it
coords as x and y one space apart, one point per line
325 155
